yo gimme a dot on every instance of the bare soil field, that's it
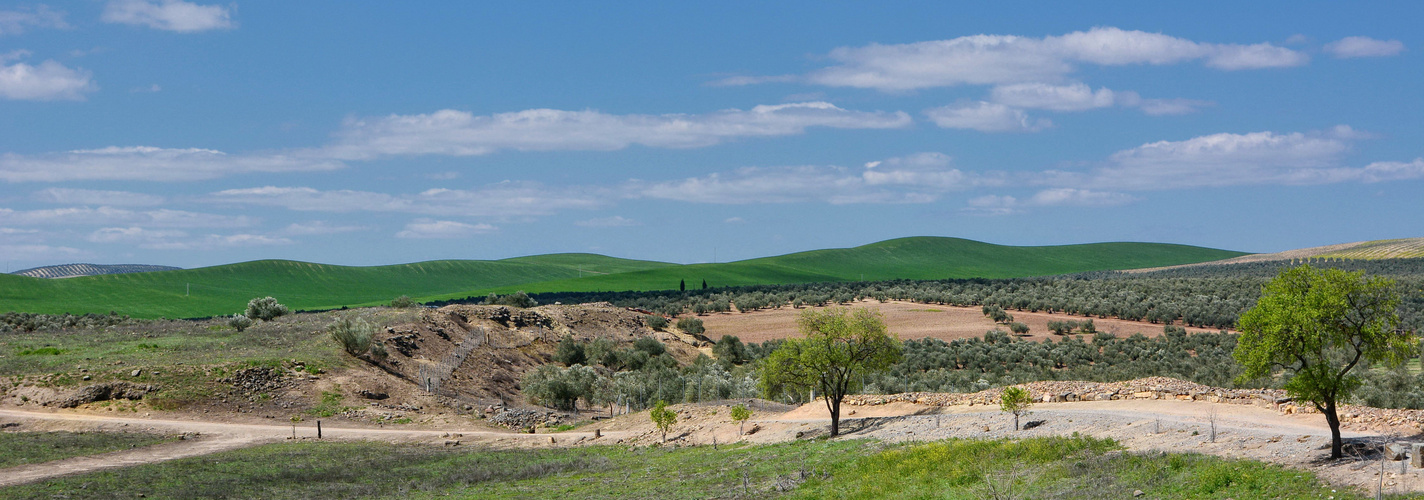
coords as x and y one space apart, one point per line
915 321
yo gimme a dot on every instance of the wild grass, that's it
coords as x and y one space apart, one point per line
1054 467
21 448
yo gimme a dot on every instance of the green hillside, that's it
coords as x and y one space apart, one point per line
904 258
225 289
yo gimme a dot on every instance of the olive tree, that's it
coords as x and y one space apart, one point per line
1315 327
265 309
840 346
740 414
1015 400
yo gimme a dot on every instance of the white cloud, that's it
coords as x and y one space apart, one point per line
110 216
134 234
1080 97
149 89
168 15
24 253
913 179
67 196
986 117
505 199
1075 97
318 227
49 81
614 221
1228 160
734 220
159 239
1363 46
442 229
14 22
459 133
1079 198
999 59
149 164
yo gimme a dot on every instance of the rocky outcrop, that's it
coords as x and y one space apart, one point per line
107 391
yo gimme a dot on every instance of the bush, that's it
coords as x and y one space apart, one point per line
1018 328
517 299
265 309
354 336
239 322
1062 327
655 322
690 325
570 352
650 345
730 351
402 302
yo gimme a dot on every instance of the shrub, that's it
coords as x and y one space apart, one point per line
1018 328
730 351
570 352
265 309
663 418
239 322
650 345
402 302
517 299
690 325
354 336
655 322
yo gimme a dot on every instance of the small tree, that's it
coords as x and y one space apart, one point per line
704 284
1087 326
655 322
1015 400
1316 327
1018 328
730 351
402 302
740 414
682 285
663 417
840 347
239 322
265 309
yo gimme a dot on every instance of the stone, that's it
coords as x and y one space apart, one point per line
1416 455
136 373
1395 451
1137 493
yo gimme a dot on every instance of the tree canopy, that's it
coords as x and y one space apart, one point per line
840 346
1316 327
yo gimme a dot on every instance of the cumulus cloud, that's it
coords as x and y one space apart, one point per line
614 221
459 133
986 117
918 178
48 81
1363 46
1229 159
110 216
168 15
14 22
67 196
318 227
1001 59
145 163
442 229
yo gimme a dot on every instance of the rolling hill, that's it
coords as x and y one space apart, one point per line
916 258
72 270
300 285
226 289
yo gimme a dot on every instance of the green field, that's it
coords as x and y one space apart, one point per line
23 448
920 258
1045 467
226 289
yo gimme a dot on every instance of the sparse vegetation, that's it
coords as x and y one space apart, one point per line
403 302
516 299
20 448
354 335
690 325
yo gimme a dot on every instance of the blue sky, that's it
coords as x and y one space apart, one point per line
192 134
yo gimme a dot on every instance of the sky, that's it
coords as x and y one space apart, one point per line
365 133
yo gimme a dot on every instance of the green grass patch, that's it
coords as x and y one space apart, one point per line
21 448
329 405
41 351
226 289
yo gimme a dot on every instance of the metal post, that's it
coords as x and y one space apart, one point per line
318 429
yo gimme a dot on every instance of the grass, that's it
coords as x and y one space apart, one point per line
906 258
226 289
219 290
21 448
1057 467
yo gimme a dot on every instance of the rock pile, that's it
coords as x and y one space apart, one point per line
519 418
254 380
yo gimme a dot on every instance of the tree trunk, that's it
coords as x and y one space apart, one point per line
741 428
1333 418
835 417
664 436
1016 421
